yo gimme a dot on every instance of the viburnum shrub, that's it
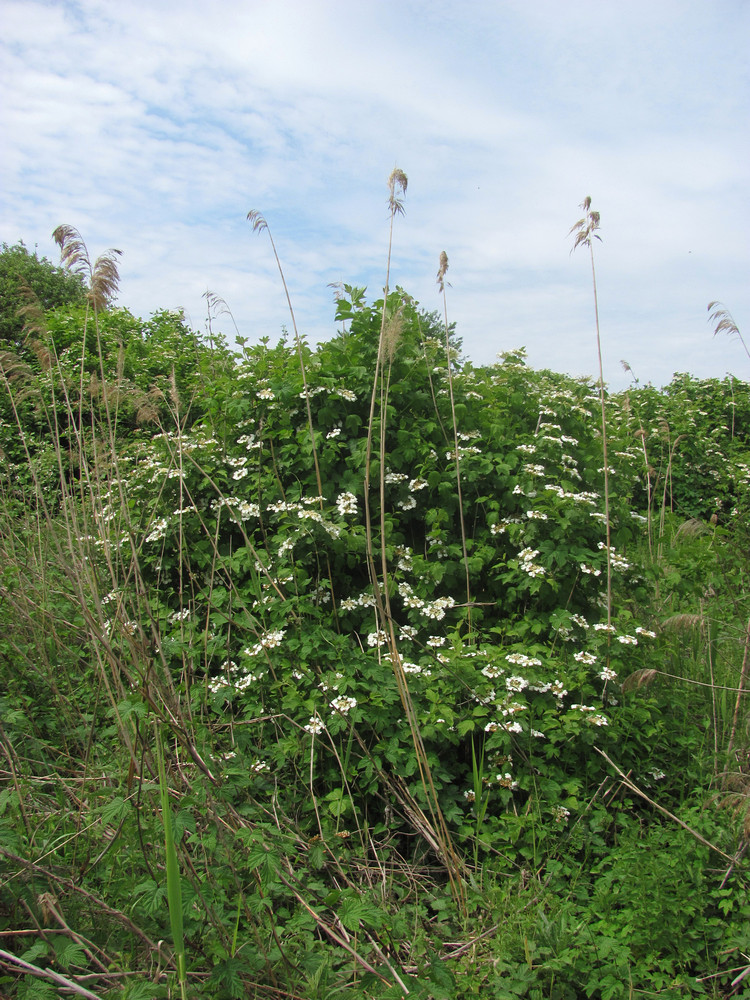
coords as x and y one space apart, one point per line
263 605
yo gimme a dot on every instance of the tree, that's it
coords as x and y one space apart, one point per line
53 286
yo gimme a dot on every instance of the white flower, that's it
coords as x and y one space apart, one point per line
516 683
592 572
627 640
608 674
346 503
646 633
315 725
265 394
333 433
343 704
584 657
560 814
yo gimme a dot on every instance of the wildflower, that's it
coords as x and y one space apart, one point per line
506 780
346 394
627 640
469 795
516 683
579 620
584 657
265 394
608 674
491 671
267 641
521 660
598 720
560 814
334 433
592 572
656 774
411 668
158 530
436 640
418 484
346 503
259 766
646 633
343 704
603 627
409 503
315 726
407 632
536 515
378 638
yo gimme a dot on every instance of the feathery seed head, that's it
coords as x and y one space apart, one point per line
442 270
257 220
397 181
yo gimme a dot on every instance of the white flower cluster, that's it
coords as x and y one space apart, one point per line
584 657
534 470
430 609
315 725
560 814
616 561
363 601
267 641
233 677
239 507
526 558
158 530
521 660
346 503
583 497
343 704
591 572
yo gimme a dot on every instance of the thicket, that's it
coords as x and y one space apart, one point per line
312 682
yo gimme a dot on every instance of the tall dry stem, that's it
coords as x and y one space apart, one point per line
442 271
586 231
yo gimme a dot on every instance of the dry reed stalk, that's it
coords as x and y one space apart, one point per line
442 271
585 230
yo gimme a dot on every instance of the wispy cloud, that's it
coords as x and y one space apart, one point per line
155 128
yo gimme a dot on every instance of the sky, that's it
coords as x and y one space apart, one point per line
155 127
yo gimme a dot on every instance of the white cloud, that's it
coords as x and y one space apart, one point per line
156 127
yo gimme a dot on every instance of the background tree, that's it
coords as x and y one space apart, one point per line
53 286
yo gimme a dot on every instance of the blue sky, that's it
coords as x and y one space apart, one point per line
154 127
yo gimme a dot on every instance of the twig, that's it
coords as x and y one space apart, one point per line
49 974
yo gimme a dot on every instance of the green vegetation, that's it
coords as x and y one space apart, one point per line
313 682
